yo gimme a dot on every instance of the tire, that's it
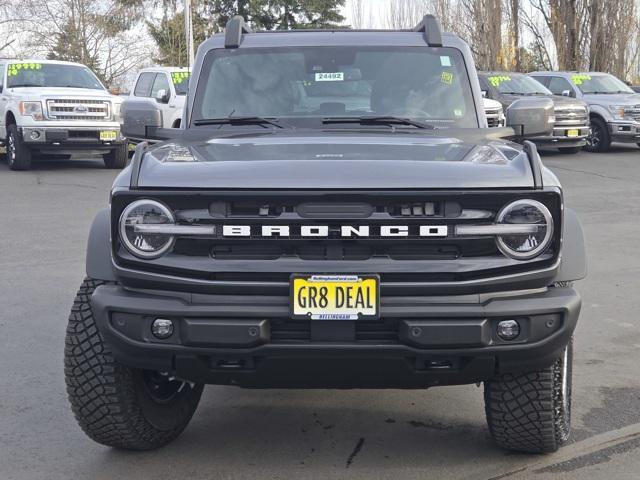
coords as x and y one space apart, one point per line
116 405
531 412
599 139
117 158
569 150
18 154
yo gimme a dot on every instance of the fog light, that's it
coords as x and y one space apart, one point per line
35 135
508 329
162 328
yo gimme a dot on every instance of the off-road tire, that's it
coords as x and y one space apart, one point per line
109 400
569 150
117 158
18 154
599 140
528 412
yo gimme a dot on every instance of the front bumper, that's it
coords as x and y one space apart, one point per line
561 139
624 131
70 137
419 341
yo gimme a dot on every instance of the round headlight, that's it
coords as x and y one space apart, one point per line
524 246
143 244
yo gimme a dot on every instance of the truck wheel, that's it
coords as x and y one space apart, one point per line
18 154
116 405
117 158
569 150
599 139
531 412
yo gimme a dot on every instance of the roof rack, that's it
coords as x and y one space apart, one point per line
431 29
234 30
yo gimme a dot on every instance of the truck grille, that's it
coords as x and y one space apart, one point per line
632 113
78 109
493 118
570 117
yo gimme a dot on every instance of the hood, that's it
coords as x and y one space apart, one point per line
335 161
558 100
613 99
53 92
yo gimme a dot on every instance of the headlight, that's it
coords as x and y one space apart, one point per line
117 107
31 109
617 111
143 242
524 246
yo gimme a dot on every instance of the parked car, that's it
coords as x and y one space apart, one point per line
494 113
60 108
571 127
394 243
161 90
614 108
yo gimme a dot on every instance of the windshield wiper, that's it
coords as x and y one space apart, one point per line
378 120
25 85
238 121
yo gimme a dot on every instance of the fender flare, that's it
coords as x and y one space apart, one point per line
99 265
573 264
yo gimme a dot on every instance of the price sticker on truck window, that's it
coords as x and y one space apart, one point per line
579 78
330 77
496 80
179 77
446 78
14 68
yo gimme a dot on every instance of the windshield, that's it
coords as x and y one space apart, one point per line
308 84
181 82
600 83
517 84
51 75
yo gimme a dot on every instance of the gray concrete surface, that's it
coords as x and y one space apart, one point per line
236 434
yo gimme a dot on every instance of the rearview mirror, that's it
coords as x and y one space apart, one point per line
531 117
162 96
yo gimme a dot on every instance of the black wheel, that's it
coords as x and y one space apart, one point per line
116 405
531 412
599 140
569 150
18 154
117 158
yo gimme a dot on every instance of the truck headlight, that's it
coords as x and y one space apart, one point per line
144 243
31 109
617 111
117 116
529 213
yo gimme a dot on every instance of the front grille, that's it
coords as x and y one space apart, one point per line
78 109
632 113
493 118
379 331
568 117
410 258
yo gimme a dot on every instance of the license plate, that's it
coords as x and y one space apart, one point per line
573 133
108 135
335 297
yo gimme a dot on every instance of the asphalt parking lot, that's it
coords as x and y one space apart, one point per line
45 216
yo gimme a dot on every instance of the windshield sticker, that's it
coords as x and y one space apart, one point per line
445 61
179 77
14 68
498 79
330 77
446 78
579 78
458 113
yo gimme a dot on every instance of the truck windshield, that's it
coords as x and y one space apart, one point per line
599 83
51 75
516 84
301 84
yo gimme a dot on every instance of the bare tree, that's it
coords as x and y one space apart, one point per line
482 21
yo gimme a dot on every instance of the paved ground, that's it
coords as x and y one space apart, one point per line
440 433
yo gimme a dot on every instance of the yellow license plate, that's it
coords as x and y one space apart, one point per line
335 297
573 133
108 136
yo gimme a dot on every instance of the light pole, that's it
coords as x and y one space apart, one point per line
188 29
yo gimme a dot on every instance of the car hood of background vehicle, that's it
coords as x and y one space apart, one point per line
60 92
613 98
295 161
558 100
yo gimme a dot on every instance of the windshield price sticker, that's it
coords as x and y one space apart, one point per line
179 77
579 78
498 79
330 77
446 78
14 68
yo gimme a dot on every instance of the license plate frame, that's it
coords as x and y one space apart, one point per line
370 282
108 135
573 132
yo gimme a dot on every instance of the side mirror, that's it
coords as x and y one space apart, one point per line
531 117
484 93
566 93
143 121
162 96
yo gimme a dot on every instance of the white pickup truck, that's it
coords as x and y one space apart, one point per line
50 107
161 90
